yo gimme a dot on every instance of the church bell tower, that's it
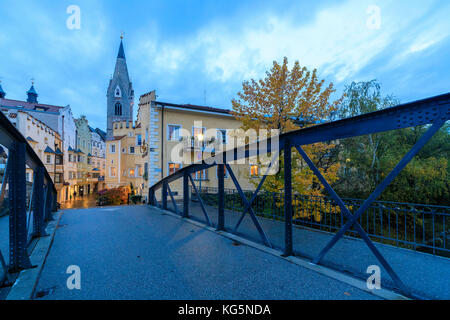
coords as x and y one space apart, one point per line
120 95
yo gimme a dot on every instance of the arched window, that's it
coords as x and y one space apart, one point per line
118 109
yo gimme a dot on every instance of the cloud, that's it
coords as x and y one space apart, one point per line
337 41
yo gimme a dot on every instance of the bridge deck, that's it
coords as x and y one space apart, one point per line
426 275
135 252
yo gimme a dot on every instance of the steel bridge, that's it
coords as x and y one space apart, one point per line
28 215
433 111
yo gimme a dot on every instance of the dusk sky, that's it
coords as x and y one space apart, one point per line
184 49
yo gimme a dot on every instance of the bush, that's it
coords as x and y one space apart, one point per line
114 196
136 199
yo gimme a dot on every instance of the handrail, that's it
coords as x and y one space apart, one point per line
42 200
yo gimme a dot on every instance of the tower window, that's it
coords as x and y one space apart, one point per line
118 109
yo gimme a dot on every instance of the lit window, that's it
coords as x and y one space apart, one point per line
174 132
112 171
254 171
201 175
174 167
131 172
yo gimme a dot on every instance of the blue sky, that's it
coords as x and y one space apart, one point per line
186 48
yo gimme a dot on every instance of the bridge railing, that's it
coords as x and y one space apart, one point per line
420 227
431 112
26 206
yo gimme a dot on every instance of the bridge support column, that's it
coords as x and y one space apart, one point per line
164 196
18 233
38 203
186 195
221 194
288 198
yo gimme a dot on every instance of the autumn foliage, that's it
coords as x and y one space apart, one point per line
289 99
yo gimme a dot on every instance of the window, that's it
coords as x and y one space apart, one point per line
173 167
131 173
139 140
224 171
49 159
131 150
173 132
70 158
201 175
59 159
254 171
112 171
118 93
112 149
118 109
58 178
222 136
28 177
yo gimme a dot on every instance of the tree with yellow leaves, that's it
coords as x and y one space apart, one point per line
290 99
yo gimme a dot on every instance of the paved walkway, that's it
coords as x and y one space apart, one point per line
84 202
426 275
135 252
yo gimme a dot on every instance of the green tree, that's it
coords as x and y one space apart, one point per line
366 160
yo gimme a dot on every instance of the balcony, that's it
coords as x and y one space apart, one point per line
197 144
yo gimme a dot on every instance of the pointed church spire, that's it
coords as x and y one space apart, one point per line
2 93
32 94
121 53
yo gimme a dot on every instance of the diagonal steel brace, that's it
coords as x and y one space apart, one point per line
250 210
172 198
200 200
353 218
256 192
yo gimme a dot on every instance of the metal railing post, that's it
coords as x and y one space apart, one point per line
287 198
38 203
151 196
221 191
164 196
18 233
186 195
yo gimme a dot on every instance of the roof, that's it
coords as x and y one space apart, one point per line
32 90
70 149
195 107
58 151
49 150
79 151
116 138
31 139
101 133
28 105
121 53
